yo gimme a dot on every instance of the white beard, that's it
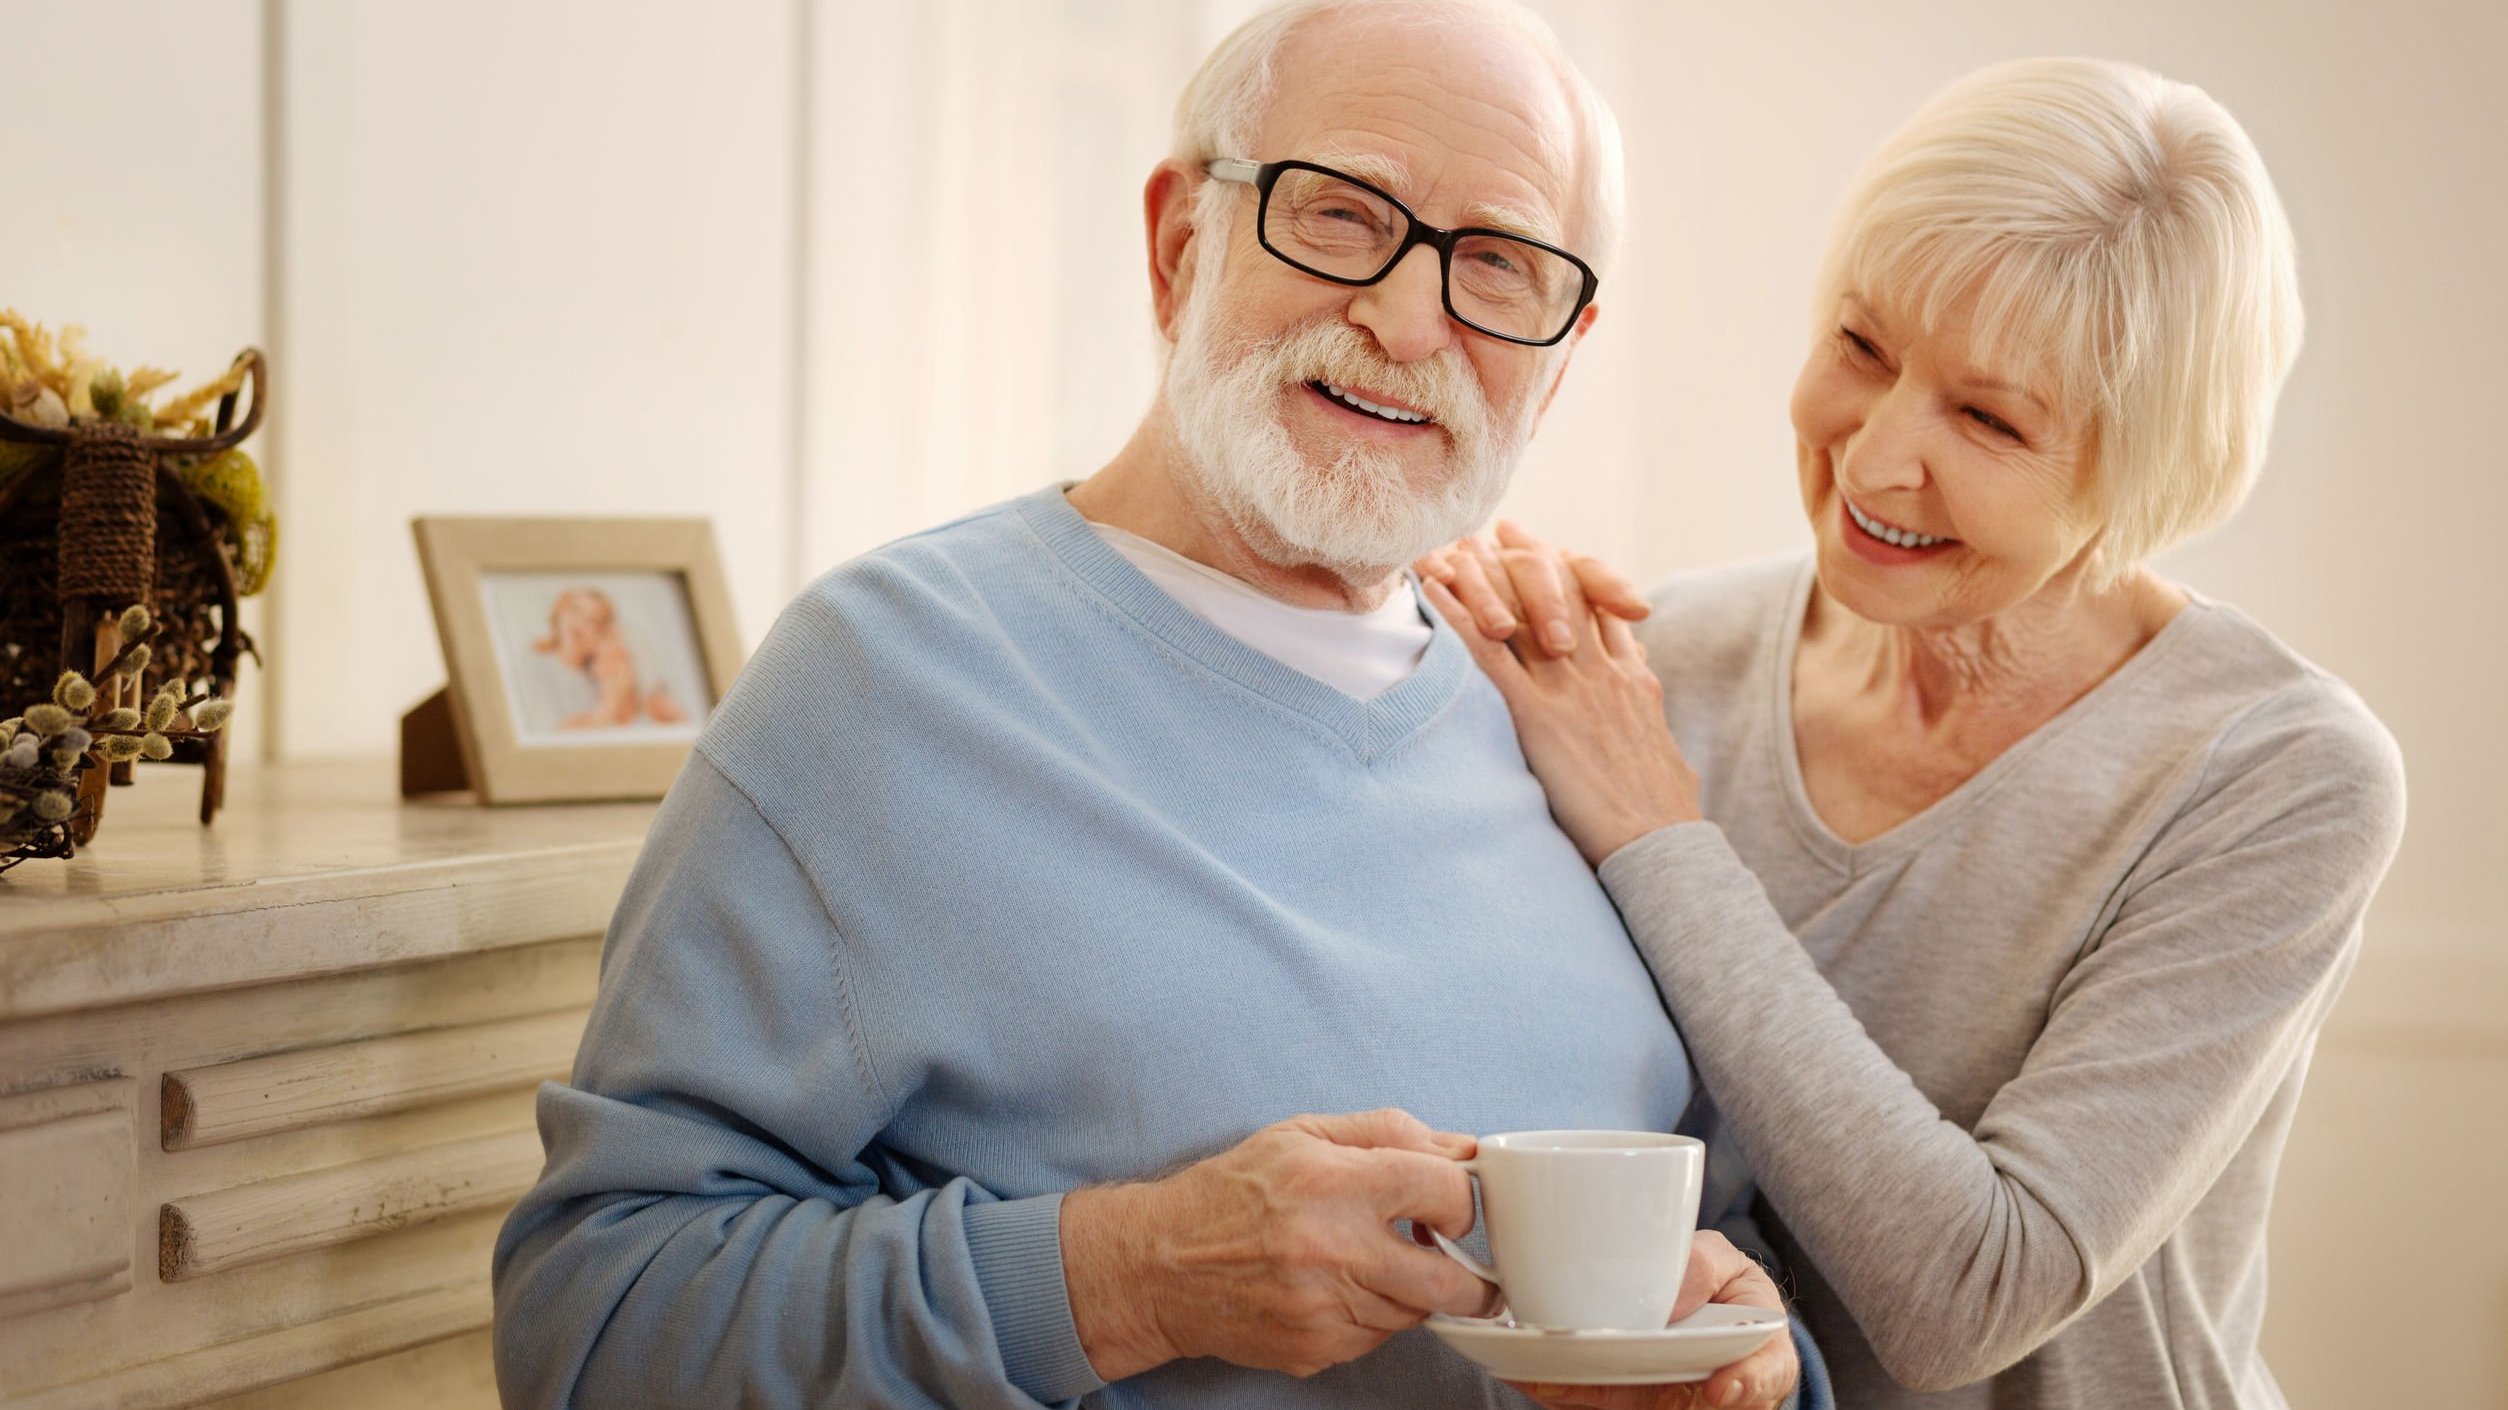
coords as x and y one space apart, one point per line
1359 517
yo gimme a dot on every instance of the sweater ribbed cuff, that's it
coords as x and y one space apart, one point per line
1017 1247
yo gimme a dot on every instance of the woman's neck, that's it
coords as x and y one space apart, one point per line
1993 681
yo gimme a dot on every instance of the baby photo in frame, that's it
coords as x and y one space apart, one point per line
584 656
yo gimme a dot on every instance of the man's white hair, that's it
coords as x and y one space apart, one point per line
1222 109
2122 238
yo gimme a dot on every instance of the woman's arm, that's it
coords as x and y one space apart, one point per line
1961 1251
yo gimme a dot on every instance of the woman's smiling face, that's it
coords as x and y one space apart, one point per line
1943 486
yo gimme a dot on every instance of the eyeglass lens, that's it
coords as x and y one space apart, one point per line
1346 231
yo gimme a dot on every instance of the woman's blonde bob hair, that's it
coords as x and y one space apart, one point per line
2123 244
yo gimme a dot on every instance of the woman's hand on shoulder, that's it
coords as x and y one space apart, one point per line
1520 581
1589 717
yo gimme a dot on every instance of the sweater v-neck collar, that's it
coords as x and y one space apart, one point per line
1369 729
1776 673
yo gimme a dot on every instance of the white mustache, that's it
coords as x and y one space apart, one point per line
1330 350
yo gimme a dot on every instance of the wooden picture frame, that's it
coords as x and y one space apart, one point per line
501 726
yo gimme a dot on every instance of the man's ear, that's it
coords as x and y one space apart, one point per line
1167 206
1584 325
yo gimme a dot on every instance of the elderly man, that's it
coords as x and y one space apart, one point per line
1043 867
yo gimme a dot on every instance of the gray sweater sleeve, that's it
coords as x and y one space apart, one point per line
708 1231
2199 986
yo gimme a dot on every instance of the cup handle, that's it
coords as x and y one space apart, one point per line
1477 1268
1451 1250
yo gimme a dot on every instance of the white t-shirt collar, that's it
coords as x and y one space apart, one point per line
1360 654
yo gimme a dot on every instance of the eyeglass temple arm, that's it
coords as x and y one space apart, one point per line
1234 169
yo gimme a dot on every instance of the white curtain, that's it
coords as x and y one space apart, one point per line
978 309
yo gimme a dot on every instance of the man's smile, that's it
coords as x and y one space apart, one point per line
1374 412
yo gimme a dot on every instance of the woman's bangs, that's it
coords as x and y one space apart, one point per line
2032 321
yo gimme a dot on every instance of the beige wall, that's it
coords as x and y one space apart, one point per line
830 272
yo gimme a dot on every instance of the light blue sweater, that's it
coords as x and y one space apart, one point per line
997 874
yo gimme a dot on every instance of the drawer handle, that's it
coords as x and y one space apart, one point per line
204 1106
209 1233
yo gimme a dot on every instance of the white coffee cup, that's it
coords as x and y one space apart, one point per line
1588 1230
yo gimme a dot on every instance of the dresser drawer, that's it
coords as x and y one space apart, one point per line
218 1194
66 1169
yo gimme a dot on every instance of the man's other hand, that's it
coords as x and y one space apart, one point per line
1718 1272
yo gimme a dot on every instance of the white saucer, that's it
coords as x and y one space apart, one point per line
1691 1349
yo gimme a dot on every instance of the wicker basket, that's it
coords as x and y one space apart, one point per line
104 521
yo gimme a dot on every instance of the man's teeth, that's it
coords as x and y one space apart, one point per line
1351 399
1901 537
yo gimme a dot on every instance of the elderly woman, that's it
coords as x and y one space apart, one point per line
2000 885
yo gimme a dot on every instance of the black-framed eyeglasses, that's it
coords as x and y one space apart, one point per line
1337 227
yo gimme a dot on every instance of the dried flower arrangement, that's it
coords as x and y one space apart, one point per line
54 382
107 499
45 749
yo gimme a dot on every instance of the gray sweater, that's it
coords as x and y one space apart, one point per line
2014 1076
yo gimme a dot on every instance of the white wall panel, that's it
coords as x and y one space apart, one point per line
133 176
538 261
978 297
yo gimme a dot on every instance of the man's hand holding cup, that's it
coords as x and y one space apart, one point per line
1281 1252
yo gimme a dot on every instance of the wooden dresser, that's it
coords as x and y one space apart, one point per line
266 1087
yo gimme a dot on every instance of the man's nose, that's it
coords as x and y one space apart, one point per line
1406 310
1887 452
